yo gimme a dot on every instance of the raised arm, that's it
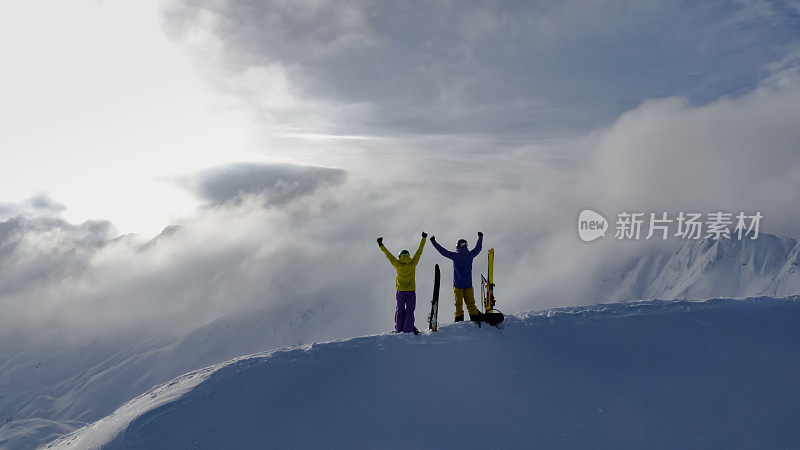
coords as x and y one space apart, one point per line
386 252
478 246
442 251
418 254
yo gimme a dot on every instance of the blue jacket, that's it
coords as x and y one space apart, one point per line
462 262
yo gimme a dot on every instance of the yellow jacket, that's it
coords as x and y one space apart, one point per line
405 267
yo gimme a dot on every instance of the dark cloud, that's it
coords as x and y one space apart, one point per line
39 205
43 202
277 183
475 67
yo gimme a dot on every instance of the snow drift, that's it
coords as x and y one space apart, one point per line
657 374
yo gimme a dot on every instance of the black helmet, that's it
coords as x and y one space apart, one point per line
404 252
462 243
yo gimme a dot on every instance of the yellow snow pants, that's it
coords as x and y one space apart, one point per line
466 296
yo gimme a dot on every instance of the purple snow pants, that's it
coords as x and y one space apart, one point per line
404 316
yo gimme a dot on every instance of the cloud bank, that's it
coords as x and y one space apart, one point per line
301 235
39 205
455 103
544 68
278 183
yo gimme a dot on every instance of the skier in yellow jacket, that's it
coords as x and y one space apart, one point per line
405 266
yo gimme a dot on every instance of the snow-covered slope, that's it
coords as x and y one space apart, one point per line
716 374
50 390
767 266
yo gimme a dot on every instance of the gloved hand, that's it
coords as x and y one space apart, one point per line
480 234
380 241
424 234
433 238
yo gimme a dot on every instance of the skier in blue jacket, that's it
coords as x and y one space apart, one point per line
462 276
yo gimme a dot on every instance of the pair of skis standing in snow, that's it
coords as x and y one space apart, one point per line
405 266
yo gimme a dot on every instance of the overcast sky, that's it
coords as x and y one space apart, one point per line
106 103
286 136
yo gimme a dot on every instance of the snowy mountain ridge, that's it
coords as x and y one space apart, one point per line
766 266
51 390
648 374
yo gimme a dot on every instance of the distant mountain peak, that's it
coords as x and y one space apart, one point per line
709 268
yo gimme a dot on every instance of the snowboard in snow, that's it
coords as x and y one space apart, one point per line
433 317
490 314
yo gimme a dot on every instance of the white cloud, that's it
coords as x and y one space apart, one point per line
521 189
97 104
736 153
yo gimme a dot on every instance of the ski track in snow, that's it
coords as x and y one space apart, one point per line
655 374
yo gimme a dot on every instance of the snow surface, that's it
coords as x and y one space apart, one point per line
714 374
50 390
